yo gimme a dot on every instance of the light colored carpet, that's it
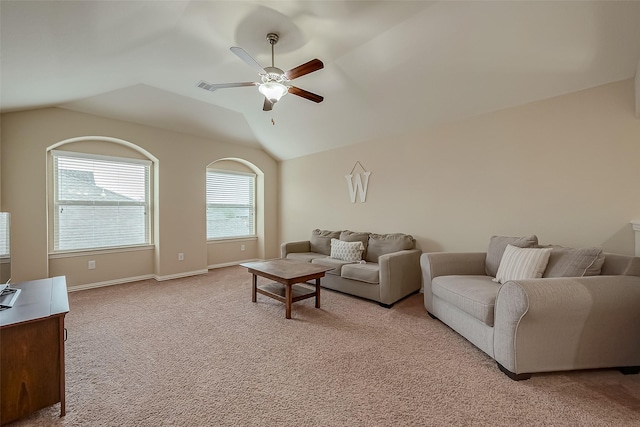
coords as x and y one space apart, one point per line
198 352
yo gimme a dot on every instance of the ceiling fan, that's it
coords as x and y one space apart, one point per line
274 82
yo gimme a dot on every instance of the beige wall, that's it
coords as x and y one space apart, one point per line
566 169
225 253
179 201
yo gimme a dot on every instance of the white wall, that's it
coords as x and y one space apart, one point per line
566 169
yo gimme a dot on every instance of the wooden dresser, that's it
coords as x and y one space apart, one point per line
32 336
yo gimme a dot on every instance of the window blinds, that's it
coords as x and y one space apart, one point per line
100 202
230 204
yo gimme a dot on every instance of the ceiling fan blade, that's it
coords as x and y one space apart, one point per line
242 54
306 68
305 94
268 105
212 86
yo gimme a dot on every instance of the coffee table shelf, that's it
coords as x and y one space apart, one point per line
279 292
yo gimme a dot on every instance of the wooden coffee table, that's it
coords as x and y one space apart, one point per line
286 273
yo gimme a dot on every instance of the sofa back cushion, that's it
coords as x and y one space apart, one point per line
320 241
497 245
574 262
615 264
633 269
356 236
381 244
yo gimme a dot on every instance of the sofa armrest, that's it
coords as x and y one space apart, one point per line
554 324
434 264
399 275
294 247
454 263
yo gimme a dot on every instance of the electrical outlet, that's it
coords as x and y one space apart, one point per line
242 247
92 265
180 256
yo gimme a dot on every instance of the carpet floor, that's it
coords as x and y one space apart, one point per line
197 352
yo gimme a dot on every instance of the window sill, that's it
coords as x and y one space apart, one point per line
232 239
87 252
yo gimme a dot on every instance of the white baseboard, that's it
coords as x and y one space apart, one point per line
229 264
134 279
180 275
109 283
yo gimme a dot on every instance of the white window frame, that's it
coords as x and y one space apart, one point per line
57 204
5 236
251 205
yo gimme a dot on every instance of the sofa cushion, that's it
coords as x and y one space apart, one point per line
623 265
574 262
364 272
475 295
381 244
346 251
522 263
305 256
331 262
356 236
320 241
497 244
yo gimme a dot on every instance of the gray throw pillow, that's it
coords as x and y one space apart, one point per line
356 236
320 241
571 262
497 245
381 244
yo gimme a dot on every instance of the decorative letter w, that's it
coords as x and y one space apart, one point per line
358 186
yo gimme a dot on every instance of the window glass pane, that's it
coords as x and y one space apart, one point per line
4 235
230 205
100 203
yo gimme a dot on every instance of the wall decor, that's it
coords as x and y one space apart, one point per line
356 185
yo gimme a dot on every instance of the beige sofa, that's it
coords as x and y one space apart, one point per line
554 323
387 270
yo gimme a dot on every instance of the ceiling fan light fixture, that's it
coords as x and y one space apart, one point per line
273 91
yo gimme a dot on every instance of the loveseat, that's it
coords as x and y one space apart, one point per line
581 311
380 267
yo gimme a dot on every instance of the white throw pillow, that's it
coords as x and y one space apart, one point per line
522 263
346 251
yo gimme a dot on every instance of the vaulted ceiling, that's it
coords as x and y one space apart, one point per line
390 66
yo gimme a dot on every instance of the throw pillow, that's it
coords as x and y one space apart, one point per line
570 262
381 244
355 236
497 244
522 263
346 251
320 241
